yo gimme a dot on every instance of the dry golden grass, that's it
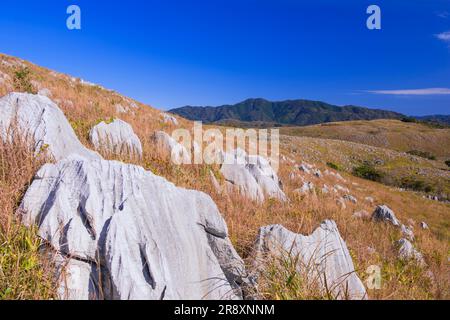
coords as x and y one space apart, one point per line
390 134
24 273
86 105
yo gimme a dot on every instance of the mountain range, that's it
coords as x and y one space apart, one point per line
281 113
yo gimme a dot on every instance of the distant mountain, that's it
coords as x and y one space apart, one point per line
437 119
290 112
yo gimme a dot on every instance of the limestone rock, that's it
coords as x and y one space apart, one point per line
407 252
116 137
142 236
323 257
384 213
350 198
424 225
252 176
167 118
38 118
170 147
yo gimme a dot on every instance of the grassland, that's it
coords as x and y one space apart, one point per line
369 243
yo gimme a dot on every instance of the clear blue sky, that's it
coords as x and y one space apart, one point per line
171 53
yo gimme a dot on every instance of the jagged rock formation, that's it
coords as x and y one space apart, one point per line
407 252
39 119
171 148
384 213
251 175
116 137
167 118
323 257
125 233
307 187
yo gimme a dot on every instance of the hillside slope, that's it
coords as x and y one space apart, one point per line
289 112
389 134
369 243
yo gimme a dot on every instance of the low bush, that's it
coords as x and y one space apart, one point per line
366 171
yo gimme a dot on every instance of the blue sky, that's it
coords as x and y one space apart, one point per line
171 53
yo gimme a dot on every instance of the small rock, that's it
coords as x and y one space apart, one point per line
384 213
341 188
407 232
407 252
369 200
424 225
350 198
306 188
167 118
304 168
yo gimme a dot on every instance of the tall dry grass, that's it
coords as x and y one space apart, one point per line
369 243
24 272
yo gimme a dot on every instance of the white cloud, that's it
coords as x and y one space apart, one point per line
444 36
414 92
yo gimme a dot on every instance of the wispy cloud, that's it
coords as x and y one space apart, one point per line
413 92
444 36
443 14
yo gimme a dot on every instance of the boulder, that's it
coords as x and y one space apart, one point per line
125 233
385 214
116 137
407 232
317 173
252 176
407 252
39 119
424 225
167 118
170 147
323 258
340 188
305 168
350 198
307 187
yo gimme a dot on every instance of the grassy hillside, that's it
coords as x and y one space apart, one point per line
293 112
369 243
389 134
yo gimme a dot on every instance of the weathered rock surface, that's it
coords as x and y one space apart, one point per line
384 213
252 176
350 198
307 187
323 257
407 252
167 118
38 118
147 238
424 225
169 146
116 137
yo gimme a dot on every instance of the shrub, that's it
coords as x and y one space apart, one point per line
22 80
447 163
422 154
333 166
409 120
416 185
366 171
